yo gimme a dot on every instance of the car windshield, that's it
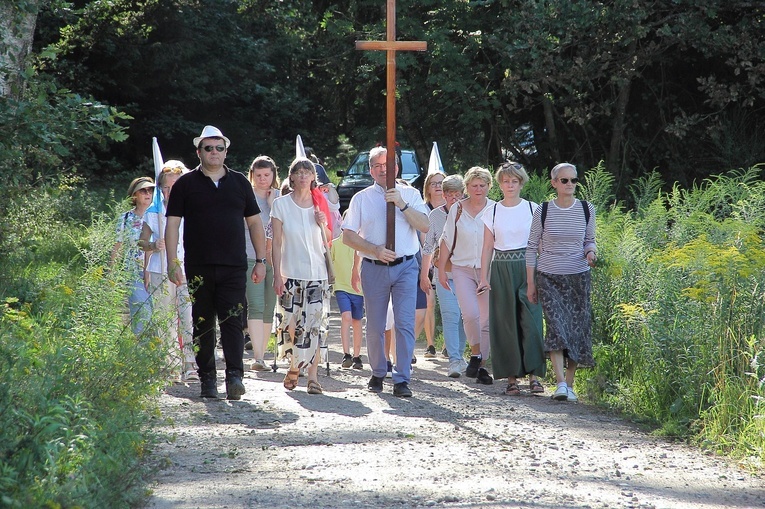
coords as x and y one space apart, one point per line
360 165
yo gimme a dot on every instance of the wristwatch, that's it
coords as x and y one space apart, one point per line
260 260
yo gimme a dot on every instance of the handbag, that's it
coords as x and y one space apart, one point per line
454 240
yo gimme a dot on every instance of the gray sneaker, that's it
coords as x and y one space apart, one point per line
259 365
571 396
455 369
347 361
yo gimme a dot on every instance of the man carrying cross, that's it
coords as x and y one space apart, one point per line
387 275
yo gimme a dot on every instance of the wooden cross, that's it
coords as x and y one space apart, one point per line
391 45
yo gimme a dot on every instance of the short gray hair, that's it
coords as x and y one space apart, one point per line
558 167
453 183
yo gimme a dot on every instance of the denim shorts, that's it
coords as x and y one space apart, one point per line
350 302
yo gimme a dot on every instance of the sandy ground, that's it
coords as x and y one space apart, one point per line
454 444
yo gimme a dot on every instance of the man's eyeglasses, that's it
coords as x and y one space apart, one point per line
565 180
209 148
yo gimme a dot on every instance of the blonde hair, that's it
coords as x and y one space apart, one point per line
476 172
512 169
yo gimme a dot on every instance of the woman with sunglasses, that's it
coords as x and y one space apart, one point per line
560 253
172 300
261 300
300 274
515 324
128 248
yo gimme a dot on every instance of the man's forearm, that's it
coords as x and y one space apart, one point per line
357 242
417 219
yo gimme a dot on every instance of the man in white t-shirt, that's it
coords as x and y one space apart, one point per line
387 275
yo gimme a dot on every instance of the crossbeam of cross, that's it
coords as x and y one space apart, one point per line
390 45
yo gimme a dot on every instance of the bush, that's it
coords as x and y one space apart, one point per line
78 387
678 311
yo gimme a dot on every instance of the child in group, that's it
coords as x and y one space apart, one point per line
350 300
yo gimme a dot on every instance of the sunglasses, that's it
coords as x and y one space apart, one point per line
565 180
209 148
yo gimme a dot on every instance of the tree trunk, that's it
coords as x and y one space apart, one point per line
17 30
552 134
614 157
413 131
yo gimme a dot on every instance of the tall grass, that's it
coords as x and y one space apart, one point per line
679 305
78 386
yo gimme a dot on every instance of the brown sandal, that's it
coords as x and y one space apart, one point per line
512 389
536 386
314 387
291 379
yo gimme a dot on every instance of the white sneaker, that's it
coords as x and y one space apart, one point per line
455 369
561 393
191 376
571 396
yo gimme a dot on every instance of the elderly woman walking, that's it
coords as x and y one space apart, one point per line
300 273
451 317
515 324
559 255
461 244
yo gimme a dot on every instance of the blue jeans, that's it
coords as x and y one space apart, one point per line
451 321
397 284
139 303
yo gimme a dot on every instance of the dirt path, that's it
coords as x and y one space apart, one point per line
454 444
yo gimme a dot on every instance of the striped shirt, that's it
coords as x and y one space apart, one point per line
561 245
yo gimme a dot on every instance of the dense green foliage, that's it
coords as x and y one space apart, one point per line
673 85
679 309
75 402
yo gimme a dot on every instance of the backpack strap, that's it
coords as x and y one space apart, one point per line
585 207
493 219
544 213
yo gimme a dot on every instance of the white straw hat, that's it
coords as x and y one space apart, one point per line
211 132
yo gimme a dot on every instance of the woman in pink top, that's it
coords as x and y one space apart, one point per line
465 223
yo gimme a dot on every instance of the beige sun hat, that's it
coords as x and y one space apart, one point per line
211 131
140 183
